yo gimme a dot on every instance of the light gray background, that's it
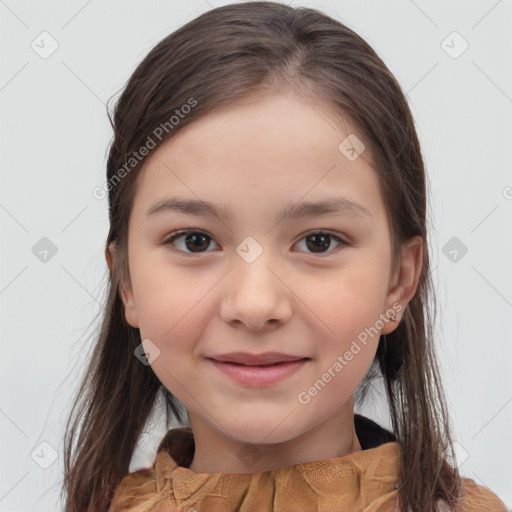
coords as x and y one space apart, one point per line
54 138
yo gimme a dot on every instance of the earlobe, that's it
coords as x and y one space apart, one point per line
405 288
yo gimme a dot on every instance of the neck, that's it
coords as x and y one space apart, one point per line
215 452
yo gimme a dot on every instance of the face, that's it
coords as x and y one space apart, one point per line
312 286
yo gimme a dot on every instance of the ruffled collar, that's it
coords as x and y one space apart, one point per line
362 481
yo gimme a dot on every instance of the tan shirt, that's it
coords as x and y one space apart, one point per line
364 481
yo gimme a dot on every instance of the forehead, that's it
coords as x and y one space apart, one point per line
262 152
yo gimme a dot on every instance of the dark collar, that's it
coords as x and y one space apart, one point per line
371 434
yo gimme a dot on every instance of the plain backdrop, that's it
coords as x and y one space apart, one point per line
452 60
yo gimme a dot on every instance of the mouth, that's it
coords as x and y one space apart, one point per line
260 365
263 359
259 375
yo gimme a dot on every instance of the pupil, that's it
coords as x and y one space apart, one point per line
321 241
195 236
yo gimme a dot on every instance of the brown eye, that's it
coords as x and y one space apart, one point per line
193 241
197 242
320 241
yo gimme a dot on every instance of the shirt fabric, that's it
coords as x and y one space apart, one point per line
365 481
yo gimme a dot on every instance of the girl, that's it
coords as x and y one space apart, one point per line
268 258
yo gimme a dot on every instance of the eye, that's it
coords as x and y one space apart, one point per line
196 241
321 240
193 240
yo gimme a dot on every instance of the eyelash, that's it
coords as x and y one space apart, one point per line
178 234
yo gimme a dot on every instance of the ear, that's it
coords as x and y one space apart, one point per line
130 307
406 283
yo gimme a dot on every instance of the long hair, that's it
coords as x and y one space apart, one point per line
221 56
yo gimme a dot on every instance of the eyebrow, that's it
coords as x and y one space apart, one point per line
336 206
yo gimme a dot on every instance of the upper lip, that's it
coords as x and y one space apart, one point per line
256 359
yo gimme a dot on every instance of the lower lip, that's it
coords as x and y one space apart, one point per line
259 375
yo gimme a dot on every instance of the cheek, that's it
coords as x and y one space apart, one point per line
347 349
173 314
171 304
350 300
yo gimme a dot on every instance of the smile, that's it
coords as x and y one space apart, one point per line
259 375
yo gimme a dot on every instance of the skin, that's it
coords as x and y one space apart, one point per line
255 156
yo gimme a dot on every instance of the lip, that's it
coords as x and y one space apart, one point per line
256 359
259 376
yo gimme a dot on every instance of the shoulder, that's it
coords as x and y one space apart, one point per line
139 491
477 498
133 490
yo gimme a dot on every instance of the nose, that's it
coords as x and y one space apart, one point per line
256 295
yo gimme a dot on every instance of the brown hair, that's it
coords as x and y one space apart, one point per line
221 56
